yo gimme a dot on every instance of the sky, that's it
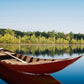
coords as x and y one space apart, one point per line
43 15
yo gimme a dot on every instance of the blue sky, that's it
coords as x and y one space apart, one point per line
43 15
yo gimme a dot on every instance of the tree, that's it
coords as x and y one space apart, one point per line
71 35
68 38
73 41
19 39
37 33
9 31
44 34
34 39
82 41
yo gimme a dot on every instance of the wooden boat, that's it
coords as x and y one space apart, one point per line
27 65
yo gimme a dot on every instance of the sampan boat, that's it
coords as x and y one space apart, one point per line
28 65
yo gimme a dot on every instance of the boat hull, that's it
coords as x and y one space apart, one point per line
14 77
44 68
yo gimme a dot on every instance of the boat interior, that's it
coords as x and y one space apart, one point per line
6 58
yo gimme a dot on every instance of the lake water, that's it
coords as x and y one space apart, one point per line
73 74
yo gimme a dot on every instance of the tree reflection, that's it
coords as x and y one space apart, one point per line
50 50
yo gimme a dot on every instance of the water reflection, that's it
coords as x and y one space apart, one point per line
14 77
50 50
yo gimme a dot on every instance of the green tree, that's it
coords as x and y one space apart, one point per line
71 35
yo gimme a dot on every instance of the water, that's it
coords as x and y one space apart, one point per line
73 74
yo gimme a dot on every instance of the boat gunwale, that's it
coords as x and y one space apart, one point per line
44 62
37 62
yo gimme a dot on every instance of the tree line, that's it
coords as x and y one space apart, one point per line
37 37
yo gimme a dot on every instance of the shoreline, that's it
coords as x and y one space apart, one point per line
38 44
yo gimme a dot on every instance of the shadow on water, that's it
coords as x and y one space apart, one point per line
14 77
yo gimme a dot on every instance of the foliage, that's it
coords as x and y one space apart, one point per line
52 37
